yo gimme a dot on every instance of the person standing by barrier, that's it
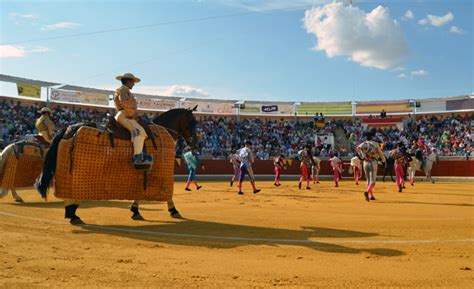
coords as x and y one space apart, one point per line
192 161
356 169
234 160
246 160
370 151
315 169
336 164
280 165
398 155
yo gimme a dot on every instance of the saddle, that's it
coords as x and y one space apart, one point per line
116 130
41 141
19 147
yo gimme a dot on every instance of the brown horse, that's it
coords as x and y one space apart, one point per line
179 122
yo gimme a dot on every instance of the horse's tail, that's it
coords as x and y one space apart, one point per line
49 165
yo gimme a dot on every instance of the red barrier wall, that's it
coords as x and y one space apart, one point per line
448 168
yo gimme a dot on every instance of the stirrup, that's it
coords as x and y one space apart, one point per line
142 162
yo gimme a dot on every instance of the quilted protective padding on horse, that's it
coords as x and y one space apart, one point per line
22 171
89 168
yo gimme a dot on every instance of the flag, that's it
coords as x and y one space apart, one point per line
289 162
31 90
179 162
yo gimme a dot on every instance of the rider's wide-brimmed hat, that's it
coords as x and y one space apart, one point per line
128 76
45 109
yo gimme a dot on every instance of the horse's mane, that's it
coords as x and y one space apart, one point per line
169 115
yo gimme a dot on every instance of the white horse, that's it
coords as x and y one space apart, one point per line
415 165
3 158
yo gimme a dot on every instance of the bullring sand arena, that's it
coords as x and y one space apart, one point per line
324 237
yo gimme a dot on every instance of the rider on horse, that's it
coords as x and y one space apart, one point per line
126 106
45 125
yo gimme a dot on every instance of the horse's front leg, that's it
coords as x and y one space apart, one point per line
17 197
135 211
3 192
428 173
412 175
391 175
172 209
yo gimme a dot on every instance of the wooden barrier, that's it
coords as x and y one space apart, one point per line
447 168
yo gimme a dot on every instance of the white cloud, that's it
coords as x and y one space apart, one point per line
436 21
61 25
173 90
7 51
372 39
420 72
457 30
402 75
24 16
409 15
12 51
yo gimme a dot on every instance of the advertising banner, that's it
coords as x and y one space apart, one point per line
210 107
262 108
65 96
94 98
29 90
269 108
389 107
311 109
155 103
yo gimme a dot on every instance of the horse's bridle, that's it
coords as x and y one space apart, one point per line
188 140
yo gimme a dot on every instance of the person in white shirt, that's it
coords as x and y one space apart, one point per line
246 160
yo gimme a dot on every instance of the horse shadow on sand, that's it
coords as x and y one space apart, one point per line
215 235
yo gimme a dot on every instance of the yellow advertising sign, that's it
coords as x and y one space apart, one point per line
31 90
325 108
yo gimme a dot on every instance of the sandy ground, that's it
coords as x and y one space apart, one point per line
325 237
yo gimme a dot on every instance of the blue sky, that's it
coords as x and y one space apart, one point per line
254 50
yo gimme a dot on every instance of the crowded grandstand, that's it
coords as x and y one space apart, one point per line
221 135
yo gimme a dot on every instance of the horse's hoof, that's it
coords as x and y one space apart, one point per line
176 215
138 217
19 201
76 221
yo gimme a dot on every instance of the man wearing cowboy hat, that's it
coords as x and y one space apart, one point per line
45 125
126 106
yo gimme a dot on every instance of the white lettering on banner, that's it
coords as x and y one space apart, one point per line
252 108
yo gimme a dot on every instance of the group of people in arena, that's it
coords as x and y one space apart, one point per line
448 134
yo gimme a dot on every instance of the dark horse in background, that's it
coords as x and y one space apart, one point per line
181 123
